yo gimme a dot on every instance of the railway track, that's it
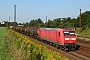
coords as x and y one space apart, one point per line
83 42
72 55
80 55
85 48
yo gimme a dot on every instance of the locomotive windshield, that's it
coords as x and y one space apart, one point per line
70 33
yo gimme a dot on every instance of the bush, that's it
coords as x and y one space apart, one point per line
24 49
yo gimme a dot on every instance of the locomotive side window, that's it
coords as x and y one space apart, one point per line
59 33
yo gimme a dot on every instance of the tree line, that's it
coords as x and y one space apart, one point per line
59 22
66 22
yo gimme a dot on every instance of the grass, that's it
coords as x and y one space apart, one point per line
2 43
85 32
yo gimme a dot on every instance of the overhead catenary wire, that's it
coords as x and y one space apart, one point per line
71 10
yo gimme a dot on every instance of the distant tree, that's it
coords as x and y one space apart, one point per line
36 22
85 20
66 22
56 23
39 22
32 22
48 24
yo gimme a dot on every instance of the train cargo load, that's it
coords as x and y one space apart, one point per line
35 32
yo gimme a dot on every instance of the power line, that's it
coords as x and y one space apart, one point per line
73 9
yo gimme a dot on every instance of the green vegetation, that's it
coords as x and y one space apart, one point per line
63 22
60 22
84 33
3 50
14 46
23 49
2 38
66 23
35 22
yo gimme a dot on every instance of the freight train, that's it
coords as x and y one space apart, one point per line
60 37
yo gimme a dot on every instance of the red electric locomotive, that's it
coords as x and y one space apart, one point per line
62 38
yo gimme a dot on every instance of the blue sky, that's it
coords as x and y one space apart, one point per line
34 9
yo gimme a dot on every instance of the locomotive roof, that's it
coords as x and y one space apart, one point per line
50 29
54 29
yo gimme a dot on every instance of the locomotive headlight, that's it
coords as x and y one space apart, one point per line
66 38
73 38
70 38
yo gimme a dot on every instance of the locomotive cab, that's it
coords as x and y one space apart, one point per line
69 37
70 40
